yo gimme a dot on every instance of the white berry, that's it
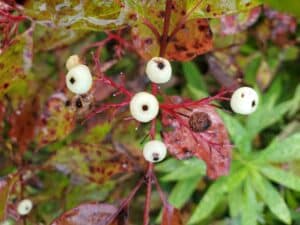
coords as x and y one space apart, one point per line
24 207
72 61
144 107
154 151
159 70
79 79
244 100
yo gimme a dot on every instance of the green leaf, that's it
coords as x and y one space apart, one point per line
265 116
217 8
13 72
237 132
183 190
210 200
282 151
193 77
272 198
288 6
280 176
235 197
249 206
236 177
195 167
86 15
168 165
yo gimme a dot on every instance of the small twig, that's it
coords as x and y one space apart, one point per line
149 178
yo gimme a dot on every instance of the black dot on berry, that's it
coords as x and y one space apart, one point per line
242 95
72 80
160 65
253 103
145 107
155 157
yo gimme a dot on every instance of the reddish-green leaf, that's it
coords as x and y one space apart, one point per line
193 37
57 121
91 213
94 162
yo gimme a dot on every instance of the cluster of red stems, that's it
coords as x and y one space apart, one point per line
9 24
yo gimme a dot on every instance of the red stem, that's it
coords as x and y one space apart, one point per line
149 178
164 38
123 205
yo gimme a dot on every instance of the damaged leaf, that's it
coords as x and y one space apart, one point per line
199 132
58 120
193 38
94 162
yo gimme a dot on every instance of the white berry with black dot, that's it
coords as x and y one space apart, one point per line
244 100
24 207
144 107
79 79
154 151
159 70
72 61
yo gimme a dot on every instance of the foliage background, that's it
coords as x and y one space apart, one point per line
69 164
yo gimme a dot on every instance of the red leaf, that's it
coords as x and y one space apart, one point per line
171 216
91 213
23 123
203 136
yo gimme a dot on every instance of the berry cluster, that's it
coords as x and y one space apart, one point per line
144 107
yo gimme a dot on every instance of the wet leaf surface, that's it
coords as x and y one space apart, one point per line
193 38
5 187
92 213
95 162
58 120
171 216
211 144
48 38
84 15
23 124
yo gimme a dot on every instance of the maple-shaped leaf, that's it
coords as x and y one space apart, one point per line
23 124
91 213
192 37
200 132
